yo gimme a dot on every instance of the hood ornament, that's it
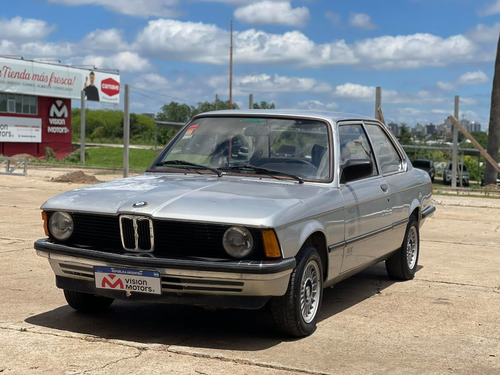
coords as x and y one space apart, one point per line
140 204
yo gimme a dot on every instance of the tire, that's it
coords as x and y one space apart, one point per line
296 312
403 263
85 302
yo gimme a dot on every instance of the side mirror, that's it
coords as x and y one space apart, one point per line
355 169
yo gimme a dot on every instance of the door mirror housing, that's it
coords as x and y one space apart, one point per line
355 169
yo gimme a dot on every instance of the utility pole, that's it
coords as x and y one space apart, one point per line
126 132
231 69
378 102
455 147
250 101
82 128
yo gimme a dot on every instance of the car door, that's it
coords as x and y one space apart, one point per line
367 206
392 164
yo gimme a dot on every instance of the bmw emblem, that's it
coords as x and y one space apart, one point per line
140 204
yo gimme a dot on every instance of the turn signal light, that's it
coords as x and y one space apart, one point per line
271 246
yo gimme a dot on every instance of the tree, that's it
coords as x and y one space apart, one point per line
405 135
490 174
264 105
175 112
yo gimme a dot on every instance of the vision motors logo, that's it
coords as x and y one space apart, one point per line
58 113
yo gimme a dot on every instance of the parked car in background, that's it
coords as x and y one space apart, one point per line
426 165
243 209
462 173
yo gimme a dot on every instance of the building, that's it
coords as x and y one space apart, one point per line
35 104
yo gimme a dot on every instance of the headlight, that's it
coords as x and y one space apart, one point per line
238 242
61 225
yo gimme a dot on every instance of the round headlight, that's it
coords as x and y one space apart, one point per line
238 242
61 225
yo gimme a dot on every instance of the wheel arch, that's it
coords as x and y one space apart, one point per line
318 241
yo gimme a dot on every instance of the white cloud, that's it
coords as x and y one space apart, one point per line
104 40
484 34
123 61
150 8
272 13
277 83
470 78
473 78
355 91
414 51
361 21
490 9
19 28
184 41
317 105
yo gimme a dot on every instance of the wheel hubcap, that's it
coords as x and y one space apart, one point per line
412 248
310 291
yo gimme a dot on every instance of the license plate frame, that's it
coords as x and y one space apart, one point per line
128 280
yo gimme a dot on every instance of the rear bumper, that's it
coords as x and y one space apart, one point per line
182 278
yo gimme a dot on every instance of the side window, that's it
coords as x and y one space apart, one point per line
354 144
389 159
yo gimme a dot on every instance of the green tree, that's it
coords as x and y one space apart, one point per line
175 112
264 105
405 135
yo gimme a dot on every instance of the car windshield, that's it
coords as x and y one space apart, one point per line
287 147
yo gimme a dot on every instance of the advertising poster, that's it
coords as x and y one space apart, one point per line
42 79
20 129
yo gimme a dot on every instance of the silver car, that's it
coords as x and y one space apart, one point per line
243 209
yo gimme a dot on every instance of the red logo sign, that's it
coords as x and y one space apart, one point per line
110 87
113 285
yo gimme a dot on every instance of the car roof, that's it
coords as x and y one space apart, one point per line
321 115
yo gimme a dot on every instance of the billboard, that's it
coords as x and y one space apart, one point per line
20 129
42 79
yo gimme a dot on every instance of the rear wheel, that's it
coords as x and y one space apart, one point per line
87 302
403 263
296 313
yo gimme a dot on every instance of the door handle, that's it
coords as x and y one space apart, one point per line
384 187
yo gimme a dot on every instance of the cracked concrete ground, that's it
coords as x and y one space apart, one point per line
445 321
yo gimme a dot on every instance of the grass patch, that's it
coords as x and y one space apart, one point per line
112 157
107 157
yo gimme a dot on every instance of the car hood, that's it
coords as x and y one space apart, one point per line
228 199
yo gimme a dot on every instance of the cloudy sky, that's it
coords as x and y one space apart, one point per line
311 54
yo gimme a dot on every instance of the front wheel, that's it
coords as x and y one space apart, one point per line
403 263
87 302
296 312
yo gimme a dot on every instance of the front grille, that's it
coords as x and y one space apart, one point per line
137 233
161 238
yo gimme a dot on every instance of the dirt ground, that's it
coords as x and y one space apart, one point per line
445 321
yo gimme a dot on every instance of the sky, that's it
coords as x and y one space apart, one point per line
327 55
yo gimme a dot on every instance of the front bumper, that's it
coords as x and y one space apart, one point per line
184 279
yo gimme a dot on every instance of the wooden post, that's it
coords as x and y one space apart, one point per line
475 143
82 128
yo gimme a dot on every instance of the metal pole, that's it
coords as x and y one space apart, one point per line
216 102
82 128
126 132
378 101
250 101
455 147
231 69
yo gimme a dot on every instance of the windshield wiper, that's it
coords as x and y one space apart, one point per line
183 163
260 170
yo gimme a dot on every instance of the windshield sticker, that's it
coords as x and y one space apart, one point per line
190 131
255 120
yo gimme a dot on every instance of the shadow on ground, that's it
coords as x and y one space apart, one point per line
243 330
